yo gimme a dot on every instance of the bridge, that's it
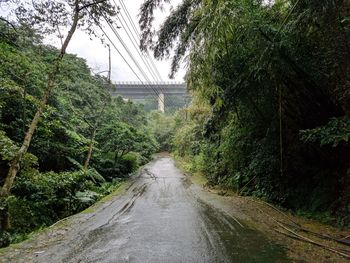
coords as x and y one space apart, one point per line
138 91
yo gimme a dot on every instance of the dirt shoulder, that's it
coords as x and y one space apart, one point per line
305 240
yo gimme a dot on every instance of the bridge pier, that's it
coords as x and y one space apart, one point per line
161 102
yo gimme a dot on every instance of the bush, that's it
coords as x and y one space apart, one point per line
42 198
131 162
117 168
4 239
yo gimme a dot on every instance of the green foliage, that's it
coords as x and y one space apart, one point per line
132 161
52 182
5 239
117 169
336 131
162 127
275 78
7 147
40 199
43 198
185 140
129 145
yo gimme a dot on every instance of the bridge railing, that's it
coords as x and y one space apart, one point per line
149 83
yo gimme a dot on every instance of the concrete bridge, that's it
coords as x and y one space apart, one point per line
138 91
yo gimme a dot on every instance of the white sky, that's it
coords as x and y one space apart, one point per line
96 54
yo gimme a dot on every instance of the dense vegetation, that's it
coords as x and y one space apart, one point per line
85 144
270 114
271 85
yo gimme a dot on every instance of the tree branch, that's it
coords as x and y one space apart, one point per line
91 4
8 22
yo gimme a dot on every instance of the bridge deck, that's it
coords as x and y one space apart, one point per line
138 90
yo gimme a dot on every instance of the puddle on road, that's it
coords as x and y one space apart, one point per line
238 243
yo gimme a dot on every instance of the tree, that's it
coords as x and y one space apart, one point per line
122 138
90 109
162 126
50 16
276 77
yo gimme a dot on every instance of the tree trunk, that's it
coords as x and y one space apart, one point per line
15 162
92 138
91 146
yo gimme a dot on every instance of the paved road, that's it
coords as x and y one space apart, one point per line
159 219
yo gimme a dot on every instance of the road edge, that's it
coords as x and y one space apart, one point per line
265 218
85 214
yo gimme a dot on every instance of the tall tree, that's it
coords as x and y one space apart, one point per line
270 72
49 17
90 109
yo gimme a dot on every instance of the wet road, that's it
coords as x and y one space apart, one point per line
161 219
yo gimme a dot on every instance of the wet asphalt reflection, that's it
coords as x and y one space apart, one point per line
159 219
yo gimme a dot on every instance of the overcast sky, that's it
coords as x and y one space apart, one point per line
96 54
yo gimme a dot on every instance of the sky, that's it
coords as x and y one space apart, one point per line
96 54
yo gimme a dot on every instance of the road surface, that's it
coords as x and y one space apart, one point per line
160 218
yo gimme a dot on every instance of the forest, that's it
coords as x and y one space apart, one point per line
269 116
270 81
85 143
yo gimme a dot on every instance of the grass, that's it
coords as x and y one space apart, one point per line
199 178
186 166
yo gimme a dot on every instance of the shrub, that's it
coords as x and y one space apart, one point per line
42 198
118 168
